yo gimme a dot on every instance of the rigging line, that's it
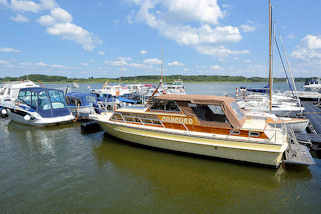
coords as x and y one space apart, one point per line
283 65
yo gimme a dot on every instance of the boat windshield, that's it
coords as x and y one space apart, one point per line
57 98
237 110
91 99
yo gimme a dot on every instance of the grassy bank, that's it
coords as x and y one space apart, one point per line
137 79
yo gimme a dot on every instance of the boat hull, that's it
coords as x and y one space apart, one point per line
41 122
266 154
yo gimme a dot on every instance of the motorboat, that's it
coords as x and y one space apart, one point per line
296 124
9 93
82 104
39 106
198 124
177 87
313 85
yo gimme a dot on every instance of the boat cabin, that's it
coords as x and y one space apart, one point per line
44 101
81 99
199 113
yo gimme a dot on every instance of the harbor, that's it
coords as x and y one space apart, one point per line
159 107
96 172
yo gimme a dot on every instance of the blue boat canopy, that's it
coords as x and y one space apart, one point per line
47 102
83 99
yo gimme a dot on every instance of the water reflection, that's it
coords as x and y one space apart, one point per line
42 140
182 173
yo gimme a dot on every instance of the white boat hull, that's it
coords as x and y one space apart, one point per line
41 122
259 153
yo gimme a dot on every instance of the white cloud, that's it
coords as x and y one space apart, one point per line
137 65
143 52
57 66
102 53
187 22
309 49
175 63
30 6
61 15
120 61
216 67
41 64
75 33
207 11
84 64
153 61
219 51
46 20
247 28
3 62
58 22
19 18
9 50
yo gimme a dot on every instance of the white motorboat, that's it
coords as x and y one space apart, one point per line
9 93
40 107
297 124
313 85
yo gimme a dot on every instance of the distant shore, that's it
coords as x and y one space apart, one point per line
145 79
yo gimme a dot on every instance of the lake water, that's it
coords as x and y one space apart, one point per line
61 170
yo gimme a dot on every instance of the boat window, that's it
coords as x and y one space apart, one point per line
2 90
25 97
234 132
254 134
91 99
237 110
57 98
203 112
34 100
43 101
165 106
117 116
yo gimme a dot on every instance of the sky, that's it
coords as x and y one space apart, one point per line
113 38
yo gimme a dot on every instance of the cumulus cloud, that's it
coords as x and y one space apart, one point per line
189 23
175 63
247 28
102 53
59 23
19 18
9 50
309 49
119 62
216 67
30 6
220 51
143 52
153 61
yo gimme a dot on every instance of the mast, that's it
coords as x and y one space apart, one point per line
270 54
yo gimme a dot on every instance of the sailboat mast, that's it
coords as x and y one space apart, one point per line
270 54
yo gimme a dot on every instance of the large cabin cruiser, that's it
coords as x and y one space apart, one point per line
40 107
204 125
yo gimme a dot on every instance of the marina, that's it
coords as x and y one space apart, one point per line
160 107
91 170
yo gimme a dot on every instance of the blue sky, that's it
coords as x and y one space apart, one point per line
115 38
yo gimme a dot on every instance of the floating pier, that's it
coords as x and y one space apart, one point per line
297 154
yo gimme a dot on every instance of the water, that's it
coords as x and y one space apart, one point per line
61 170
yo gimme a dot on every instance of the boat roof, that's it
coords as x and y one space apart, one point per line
79 94
197 99
209 100
37 89
19 84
